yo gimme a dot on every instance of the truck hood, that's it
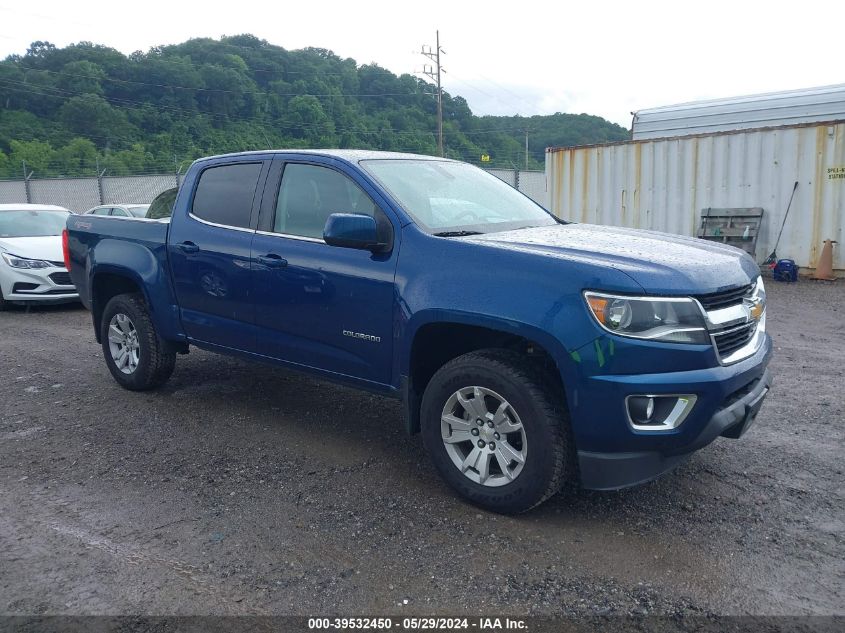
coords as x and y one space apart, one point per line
661 263
48 248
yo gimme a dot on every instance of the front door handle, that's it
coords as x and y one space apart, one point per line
188 247
271 260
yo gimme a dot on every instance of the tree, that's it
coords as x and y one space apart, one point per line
128 161
38 155
93 117
309 121
77 158
40 49
142 111
82 77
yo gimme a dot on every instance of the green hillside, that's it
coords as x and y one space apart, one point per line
66 111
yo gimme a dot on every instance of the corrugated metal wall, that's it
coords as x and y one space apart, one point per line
663 184
790 107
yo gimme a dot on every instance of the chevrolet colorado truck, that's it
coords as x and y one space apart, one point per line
531 353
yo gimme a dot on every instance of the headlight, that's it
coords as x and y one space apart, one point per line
675 320
22 262
759 290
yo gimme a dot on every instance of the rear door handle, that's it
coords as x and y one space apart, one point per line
271 260
188 247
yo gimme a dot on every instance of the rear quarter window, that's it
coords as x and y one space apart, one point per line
224 194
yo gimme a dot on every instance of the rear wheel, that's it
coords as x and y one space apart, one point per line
137 357
497 431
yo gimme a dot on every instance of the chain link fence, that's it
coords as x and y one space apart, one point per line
81 194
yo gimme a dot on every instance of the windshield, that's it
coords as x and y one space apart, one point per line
137 210
451 198
26 223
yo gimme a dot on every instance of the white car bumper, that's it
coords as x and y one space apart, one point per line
45 285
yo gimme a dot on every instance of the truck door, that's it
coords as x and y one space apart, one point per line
317 305
209 252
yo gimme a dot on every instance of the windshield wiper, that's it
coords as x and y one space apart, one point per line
457 233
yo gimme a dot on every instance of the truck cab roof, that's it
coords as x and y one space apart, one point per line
348 155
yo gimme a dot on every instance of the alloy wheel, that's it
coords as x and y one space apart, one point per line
123 343
483 436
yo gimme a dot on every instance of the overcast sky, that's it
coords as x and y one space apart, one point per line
600 57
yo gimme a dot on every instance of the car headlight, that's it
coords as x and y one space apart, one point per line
23 262
759 290
670 320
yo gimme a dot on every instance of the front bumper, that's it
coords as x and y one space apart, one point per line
612 454
42 285
610 471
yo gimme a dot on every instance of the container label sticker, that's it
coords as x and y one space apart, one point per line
836 173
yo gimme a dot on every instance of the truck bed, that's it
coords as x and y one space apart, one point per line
119 244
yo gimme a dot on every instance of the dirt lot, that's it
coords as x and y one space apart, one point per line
241 488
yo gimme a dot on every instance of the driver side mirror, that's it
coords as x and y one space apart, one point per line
352 230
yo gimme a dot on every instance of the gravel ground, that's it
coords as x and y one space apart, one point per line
245 489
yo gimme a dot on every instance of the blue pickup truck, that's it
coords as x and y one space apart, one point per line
531 353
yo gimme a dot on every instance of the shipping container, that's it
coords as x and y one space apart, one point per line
773 109
663 184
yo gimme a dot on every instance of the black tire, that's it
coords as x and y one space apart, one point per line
156 359
550 456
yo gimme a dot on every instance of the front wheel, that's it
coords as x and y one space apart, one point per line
497 431
137 357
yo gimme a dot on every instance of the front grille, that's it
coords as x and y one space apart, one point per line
725 298
61 279
729 341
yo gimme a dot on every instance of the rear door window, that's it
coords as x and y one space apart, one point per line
224 194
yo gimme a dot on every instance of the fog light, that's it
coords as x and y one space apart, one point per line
658 412
641 408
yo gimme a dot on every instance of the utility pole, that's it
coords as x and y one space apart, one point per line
434 74
526 149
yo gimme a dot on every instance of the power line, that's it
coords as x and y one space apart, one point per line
510 92
287 123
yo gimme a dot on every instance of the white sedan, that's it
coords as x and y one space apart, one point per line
120 210
32 265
